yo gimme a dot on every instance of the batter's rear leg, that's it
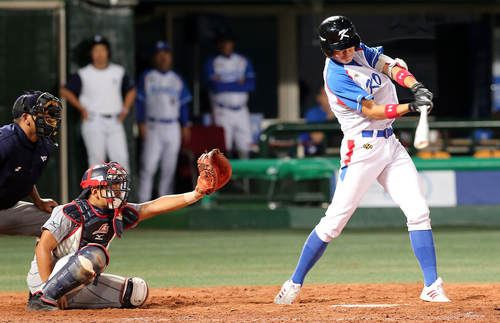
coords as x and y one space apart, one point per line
401 181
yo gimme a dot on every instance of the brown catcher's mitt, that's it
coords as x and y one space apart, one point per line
215 171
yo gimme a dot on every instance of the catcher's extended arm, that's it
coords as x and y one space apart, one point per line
215 171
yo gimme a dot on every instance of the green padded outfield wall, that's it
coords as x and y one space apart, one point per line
83 21
29 41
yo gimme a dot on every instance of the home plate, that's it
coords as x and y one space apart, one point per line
366 305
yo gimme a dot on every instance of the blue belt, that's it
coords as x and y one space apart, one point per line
162 120
229 107
386 133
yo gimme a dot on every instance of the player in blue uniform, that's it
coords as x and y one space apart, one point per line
25 149
163 116
363 98
231 77
319 113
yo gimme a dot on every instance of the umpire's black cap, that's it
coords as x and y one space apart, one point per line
25 103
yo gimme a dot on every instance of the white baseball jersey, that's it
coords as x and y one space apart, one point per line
346 85
369 149
162 104
101 90
230 79
227 91
161 96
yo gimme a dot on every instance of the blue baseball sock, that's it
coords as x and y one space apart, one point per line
312 251
423 247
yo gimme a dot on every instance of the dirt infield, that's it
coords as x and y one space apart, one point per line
316 303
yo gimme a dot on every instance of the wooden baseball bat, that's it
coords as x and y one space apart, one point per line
422 132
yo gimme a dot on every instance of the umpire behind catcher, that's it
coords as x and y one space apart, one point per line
25 148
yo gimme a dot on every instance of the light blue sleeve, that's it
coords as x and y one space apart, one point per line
346 90
185 95
184 98
140 98
372 54
249 85
209 70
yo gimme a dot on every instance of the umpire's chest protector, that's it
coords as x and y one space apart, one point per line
96 226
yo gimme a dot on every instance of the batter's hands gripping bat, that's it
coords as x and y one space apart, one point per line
422 132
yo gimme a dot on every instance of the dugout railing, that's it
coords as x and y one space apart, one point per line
453 132
308 180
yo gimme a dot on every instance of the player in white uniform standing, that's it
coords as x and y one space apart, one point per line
163 116
231 77
103 93
358 83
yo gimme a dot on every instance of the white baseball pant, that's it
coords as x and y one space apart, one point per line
237 128
106 292
162 143
369 159
105 136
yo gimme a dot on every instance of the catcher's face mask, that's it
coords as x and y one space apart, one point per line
111 180
117 191
47 116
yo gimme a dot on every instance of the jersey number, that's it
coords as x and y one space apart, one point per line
373 82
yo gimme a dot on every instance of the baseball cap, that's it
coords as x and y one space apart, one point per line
161 45
17 113
20 106
99 39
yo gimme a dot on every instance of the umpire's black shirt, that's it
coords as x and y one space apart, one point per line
21 164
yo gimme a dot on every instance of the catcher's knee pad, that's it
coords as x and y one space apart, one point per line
81 269
135 292
94 259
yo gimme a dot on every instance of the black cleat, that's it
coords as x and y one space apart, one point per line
36 303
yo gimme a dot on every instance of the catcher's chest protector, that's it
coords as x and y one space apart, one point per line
94 226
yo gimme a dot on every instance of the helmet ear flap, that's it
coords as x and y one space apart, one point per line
328 52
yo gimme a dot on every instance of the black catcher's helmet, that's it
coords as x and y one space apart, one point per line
112 178
338 33
45 107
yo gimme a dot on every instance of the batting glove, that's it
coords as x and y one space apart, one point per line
422 97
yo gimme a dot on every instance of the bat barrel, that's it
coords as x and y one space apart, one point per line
422 133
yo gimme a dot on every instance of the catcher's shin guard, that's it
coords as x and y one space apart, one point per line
135 292
81 269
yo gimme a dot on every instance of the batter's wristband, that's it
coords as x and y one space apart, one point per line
401 75
391 111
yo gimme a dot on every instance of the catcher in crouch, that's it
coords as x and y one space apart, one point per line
72 253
